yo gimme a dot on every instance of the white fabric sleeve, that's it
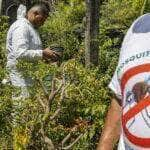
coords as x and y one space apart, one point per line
114 85
20 44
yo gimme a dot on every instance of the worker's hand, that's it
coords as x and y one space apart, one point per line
49 55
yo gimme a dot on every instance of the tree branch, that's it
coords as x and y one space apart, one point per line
143 7
55 114
73 143
47 140
65 139
43 87
53 94
41 102
47 107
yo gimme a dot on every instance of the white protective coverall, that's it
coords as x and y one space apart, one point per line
23 42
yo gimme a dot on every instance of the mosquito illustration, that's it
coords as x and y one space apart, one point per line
139 91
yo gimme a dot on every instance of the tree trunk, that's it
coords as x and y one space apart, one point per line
92 32
0 7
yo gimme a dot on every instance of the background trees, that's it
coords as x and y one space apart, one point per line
92 31
86 95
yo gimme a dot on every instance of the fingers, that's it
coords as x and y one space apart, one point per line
54 57
49 54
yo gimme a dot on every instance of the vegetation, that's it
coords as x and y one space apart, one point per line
68 101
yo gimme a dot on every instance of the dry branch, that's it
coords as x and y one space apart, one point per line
73 143
41 102
55 114
65 139
47 104
47 140
43 87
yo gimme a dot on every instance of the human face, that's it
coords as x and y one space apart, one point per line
39 19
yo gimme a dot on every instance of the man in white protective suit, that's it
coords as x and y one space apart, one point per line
129 113
24 43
